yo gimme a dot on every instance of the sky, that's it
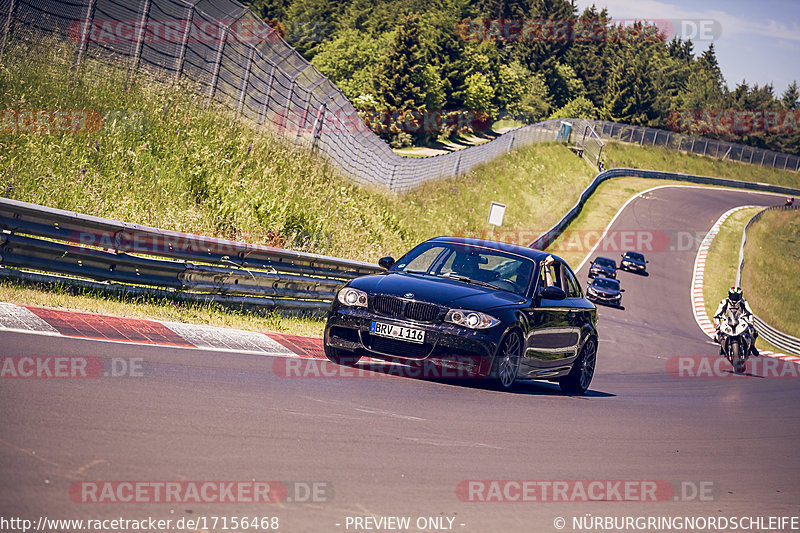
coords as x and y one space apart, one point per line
755 40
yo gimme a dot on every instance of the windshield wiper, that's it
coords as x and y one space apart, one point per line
465 279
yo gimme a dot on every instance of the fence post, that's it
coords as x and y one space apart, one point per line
289 100
215 78
304 116
7 29
245 78
139 42
85 25
263 113
184 42
316 130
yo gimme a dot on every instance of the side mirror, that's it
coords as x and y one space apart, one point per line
386 262
552 293
622 290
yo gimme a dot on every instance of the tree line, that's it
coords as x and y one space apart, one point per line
527 60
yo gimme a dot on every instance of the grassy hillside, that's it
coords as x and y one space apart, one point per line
772 268
164 159
658 158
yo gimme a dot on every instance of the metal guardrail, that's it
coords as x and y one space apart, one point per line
548 237
94 253
777 338
81 246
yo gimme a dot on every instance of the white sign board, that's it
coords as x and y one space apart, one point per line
496 213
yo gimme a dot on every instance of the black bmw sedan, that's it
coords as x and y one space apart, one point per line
605 290
603 266
481 306
633 262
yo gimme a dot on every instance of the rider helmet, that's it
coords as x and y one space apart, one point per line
735 294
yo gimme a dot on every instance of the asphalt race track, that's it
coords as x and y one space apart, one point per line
396 446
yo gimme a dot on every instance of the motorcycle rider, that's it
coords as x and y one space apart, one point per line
735 299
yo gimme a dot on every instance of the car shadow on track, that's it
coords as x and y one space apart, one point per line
521 387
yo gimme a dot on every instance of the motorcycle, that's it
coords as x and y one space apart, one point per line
736 338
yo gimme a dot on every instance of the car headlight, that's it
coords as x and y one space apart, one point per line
470 319
352 297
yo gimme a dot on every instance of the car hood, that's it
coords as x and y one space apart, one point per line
603 268
441 291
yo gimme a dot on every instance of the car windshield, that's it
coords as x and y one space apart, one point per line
604 261
634 256
469 264
608 284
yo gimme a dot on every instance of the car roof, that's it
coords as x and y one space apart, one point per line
530 253
601 257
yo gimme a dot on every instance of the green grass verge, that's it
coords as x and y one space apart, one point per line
721 265
772 269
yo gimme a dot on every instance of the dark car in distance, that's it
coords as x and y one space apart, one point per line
605 290
603 266
633 262
476 305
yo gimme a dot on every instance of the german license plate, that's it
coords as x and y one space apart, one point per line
402 333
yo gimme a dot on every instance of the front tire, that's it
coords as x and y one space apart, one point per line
580 377
340 357
506 363
737 359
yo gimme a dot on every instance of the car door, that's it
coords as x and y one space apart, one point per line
553 334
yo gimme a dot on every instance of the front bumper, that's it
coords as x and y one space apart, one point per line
633 267
446 344
594 272
613 300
